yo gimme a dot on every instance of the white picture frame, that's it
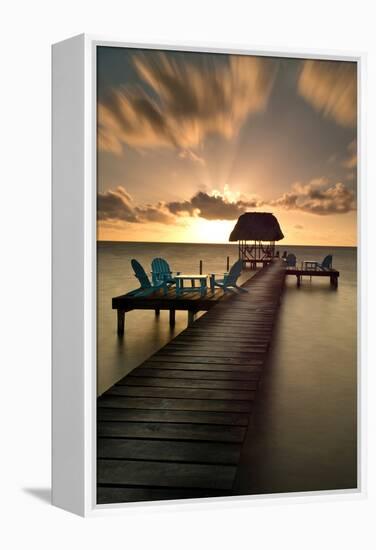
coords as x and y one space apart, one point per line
74 275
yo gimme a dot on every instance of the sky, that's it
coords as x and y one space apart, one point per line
187 142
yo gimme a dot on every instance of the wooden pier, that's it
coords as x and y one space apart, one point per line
332 274
174 427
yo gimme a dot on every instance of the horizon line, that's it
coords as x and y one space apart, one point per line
221 243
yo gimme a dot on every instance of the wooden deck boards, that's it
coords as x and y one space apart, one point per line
333 274
174 427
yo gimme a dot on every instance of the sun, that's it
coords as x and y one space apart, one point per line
210 231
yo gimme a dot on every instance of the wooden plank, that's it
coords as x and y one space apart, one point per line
214 328
142 372
178 382
188 363
181 393
191 417
237 331
218 405
210 353
208 360
189 344
165 474
213 339
209 348
164 430
213 336
172 451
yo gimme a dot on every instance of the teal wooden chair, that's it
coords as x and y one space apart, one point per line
326 263
291 260
161 272
146 288
229 281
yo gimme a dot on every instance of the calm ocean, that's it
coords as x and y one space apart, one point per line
306 414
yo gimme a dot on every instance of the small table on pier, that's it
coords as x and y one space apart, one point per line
310 264
180 288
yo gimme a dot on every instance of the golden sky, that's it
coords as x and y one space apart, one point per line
187 142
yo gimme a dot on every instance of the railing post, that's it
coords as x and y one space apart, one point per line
121 322
228 263
191 317
172 317
200 267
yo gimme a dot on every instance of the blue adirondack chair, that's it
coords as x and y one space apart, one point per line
291 260
161 272
326 263
146 288
229 281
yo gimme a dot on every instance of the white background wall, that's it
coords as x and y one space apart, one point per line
27 30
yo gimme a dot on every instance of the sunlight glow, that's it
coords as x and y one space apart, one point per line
209 231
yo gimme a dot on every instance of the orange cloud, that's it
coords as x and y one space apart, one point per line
184 103
318 197
330 86
116 205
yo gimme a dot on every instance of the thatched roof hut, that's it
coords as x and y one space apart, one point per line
257 226
261 230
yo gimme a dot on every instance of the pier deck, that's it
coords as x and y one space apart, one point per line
332 274
174 427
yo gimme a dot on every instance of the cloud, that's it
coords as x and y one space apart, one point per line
211 207
117 205
318 197
190 155
178 104
330 86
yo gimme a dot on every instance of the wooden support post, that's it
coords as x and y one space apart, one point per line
200 267
172 317
334 281
191 317
157 312
121 321
228 263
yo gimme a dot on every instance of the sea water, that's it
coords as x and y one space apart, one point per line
303 434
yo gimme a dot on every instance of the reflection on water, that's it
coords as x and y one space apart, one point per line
304 434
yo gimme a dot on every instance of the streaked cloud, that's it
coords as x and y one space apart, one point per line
178 104
331 87
194 157
318 197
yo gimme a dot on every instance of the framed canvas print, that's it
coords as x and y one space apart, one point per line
206 236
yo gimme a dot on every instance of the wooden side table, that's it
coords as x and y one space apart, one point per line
180 288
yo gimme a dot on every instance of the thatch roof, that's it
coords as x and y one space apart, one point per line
256 226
